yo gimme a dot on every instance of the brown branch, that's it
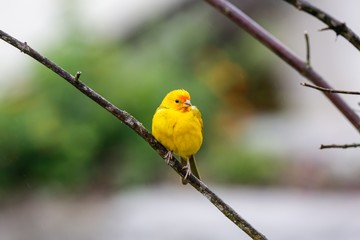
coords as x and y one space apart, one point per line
353 145
307 41
259 33
136 126
338 27
330 90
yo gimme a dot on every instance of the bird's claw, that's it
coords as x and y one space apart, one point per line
188 171
168 156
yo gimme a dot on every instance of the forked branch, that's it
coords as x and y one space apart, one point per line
338 27
259 33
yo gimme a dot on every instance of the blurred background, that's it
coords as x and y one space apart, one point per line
70 170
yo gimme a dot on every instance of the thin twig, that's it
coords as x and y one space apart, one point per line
330 90
77 75
259 33
307 41
338 27
135 125
353 145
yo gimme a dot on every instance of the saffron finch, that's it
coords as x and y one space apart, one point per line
178 125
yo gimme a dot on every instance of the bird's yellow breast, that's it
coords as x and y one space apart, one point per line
180 132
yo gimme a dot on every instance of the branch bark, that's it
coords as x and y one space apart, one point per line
338 27
137 127
259 33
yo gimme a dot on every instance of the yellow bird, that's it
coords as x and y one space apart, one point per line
178 125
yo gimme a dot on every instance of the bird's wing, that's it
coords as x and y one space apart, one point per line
197 114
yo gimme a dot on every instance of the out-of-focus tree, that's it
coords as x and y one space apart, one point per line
53 137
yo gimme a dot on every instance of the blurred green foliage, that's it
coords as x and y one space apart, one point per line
54 137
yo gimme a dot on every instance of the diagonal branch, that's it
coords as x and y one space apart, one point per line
136 126
259 33
338 27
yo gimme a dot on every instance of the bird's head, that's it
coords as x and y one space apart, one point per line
177 100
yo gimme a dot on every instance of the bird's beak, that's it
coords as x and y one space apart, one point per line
188 103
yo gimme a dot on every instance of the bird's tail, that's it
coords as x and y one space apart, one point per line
193 168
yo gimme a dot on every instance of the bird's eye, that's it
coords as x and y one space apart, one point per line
177 101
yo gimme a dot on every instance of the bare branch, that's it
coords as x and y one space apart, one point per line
338 27
259 33
136 126
353 145
330 90
307 41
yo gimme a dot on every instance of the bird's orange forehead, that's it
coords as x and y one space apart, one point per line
183 97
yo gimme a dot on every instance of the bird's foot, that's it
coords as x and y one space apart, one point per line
187 174
168 156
